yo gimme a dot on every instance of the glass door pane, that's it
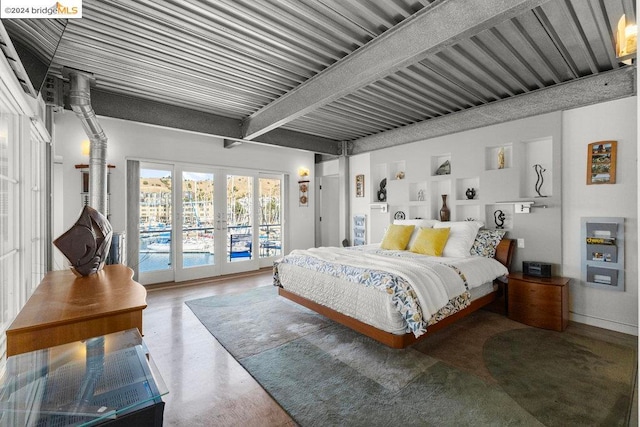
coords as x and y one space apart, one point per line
239 218
198 220
156 219
270 198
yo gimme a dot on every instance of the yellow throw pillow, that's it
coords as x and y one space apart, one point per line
430 241
397 237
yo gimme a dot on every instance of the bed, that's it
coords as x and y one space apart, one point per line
398 292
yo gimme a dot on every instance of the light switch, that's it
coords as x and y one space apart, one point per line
521 243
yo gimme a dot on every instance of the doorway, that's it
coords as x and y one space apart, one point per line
330 211
198 222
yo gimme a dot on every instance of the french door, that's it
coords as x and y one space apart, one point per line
200 222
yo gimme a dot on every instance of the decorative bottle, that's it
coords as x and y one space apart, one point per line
444 211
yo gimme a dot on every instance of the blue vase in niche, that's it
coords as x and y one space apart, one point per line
471 193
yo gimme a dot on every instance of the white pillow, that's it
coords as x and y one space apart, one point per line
462 234
418 223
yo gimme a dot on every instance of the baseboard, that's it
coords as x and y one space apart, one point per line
605 324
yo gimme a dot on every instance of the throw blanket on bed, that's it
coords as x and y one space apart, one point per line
422 291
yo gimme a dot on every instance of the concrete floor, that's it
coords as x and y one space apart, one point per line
209 387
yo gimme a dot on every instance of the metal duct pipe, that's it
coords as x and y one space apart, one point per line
80 101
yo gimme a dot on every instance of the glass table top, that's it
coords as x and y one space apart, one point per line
81 383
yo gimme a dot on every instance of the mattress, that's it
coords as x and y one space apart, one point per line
367 304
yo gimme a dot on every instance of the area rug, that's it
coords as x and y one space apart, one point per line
483 370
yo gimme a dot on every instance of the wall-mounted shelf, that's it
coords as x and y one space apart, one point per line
501 175
602 252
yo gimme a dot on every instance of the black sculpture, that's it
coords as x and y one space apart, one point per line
86 244
382 193
539 169
498 217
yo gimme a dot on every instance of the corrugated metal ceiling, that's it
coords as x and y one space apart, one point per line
234 58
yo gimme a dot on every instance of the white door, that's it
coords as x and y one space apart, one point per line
198 222
196 219
156 223
330 211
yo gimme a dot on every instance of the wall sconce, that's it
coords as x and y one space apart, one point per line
626 41
86 147
303 172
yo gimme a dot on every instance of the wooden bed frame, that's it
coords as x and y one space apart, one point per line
504 254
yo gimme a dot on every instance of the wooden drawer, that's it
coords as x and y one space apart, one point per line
543 303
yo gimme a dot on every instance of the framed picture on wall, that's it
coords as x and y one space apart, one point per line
359 185
601 162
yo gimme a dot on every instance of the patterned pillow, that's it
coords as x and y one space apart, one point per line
486 243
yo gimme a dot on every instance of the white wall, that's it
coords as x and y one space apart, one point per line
551 235
361 165
145 142
470 152
615 120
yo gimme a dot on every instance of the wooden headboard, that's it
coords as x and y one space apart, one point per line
504 252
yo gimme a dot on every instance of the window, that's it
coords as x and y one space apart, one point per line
23 208
9 226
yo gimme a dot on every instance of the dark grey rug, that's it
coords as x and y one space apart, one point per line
483 370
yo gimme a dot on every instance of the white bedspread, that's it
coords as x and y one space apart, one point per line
433 279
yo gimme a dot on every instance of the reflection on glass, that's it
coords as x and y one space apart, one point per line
155 220
197 219
239 217
270 220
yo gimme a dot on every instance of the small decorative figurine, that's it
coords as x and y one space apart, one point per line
498 217
421 195
539 169
501 158
382 192
400 175
471 193
444 169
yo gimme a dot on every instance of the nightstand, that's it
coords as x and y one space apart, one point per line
539 301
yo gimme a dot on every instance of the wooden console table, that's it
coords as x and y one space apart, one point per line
65 308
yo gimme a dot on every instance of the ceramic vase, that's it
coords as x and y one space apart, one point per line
471 193
444 211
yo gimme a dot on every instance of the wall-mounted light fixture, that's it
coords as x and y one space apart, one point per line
626 41
303 172
522 207
86 147
383 207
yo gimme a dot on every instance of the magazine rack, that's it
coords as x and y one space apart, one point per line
603 252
